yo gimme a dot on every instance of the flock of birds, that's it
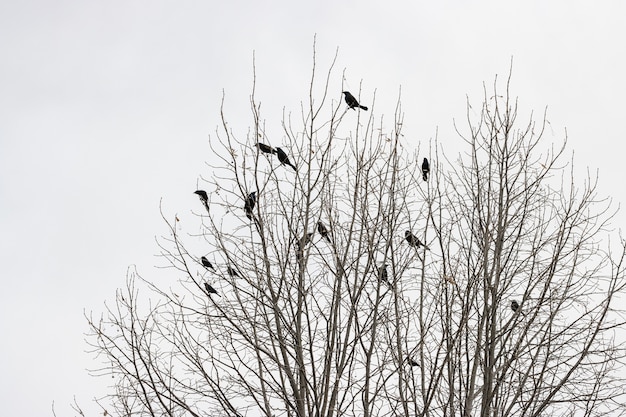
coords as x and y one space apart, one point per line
250 203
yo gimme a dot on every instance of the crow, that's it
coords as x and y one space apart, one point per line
516 307
411 361
249 204
413 240
203 195
383 276
232 272
322 230
206 263
204 198
284 159
265 148
210 289
425 169
351 101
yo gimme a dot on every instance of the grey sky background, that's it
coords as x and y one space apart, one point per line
106 108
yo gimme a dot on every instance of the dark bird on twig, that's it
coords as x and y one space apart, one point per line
352 102
249 204
204 198
265 148
203 195
322 230
206 263
516 307
383 276
210 289
413 240
284 159
411 361
232 272
425 169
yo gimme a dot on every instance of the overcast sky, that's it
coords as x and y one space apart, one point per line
106 109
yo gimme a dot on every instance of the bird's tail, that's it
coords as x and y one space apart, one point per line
363 107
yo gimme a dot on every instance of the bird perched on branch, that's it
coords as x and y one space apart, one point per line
284 159
516 307
425 169
203 195
210 289
265 148
414 240
204 198
249 204
351 101
383 276
322 230
232 272
206 263
411 361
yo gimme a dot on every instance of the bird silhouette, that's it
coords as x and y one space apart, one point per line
204 198
413 240
383 276
265 148
203 195
411 361
249 204
351 101
284 159
232 272
206 263
425 169
210 289
516 307
323 231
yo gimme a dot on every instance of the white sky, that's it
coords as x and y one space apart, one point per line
106 108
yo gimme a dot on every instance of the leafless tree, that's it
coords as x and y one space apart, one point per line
360 322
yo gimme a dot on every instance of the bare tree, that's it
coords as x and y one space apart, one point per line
357 318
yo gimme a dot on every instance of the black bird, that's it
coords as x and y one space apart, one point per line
265 148
203 195
413 240
351 101
249 204
210 289
232 272
412 362
284 159
515 306
425 169
322 230
204 198
383 276
206 263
